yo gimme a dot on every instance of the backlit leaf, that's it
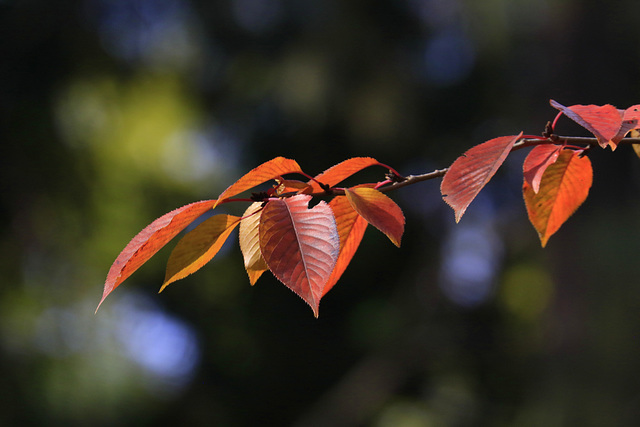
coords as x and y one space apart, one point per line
263 173
471 172
351 227
300 245
630 122
379 211
150 240
564 187
249 238
343 170
603 121
537 162
198 247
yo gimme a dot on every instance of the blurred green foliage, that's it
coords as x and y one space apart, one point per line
113 112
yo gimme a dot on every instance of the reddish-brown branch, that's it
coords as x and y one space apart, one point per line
523 143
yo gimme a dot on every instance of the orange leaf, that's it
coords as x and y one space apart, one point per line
471 172
351 227
198 247
343 170
300 245
537 162
263 173
564 186
249 238
150 240
379 211
603 121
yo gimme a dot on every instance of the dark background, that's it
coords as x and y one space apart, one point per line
113 112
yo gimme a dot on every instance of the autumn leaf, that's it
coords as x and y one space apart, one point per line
603 121
249 238
300 245
379 211
149 241
263 173
537 162
630 122
351 227
343 170
564 187
471 172
198 247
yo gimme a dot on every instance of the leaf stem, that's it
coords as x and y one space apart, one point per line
555 121
382 183
392 170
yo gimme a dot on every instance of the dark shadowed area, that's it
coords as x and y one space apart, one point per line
114 112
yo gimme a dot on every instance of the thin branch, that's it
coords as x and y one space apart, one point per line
412 179
523 143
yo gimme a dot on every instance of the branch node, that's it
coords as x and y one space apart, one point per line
260 196
326 187
393 176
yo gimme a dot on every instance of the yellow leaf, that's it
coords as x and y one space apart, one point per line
198 247
249 238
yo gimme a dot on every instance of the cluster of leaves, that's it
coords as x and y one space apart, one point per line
308 248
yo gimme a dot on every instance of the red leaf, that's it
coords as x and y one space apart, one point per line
471 172
249 238
263 173
351 227
198 247
564 187
150 240
630 121
603 121
537 162
300 245
343 170
379 211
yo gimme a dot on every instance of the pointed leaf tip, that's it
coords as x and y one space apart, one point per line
149 241
471 172
300 245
